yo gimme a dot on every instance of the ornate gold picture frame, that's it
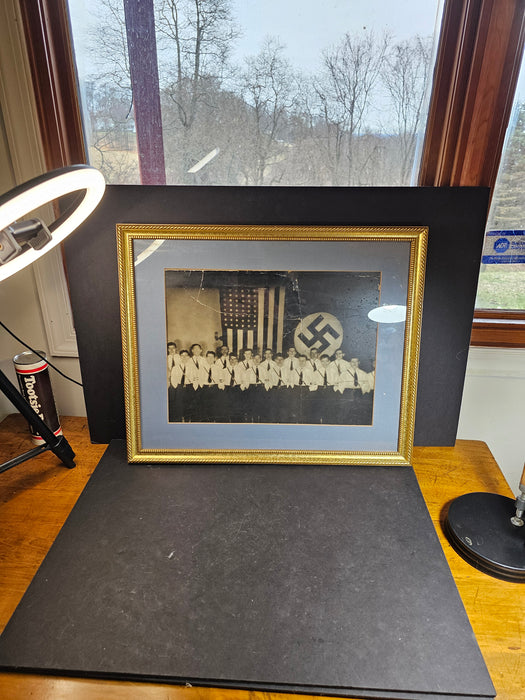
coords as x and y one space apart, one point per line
271 344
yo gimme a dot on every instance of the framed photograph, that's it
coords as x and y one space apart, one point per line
270 344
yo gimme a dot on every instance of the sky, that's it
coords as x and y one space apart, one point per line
307 27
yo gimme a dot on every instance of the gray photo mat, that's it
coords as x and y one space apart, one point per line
390 257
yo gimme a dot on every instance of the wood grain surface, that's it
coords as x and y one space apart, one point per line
37 496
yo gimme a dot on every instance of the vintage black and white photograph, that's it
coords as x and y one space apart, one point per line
271 347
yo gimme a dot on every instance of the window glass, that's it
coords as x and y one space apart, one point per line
502 274
255 92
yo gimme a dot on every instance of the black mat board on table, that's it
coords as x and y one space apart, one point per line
313 579
456 220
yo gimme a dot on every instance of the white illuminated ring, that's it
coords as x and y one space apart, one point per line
21 200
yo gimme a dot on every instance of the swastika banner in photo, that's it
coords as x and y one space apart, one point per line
329 311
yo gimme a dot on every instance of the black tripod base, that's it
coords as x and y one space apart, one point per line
479 528
61 448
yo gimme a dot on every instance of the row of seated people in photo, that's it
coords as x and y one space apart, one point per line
226 369
268 389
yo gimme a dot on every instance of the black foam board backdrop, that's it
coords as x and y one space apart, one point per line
309 579
456 220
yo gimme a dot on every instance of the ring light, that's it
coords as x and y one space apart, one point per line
41 190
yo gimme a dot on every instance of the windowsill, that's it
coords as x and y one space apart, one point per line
503 329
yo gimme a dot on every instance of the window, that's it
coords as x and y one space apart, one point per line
502 276
474 78
230 92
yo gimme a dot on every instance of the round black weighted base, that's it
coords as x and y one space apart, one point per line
479 528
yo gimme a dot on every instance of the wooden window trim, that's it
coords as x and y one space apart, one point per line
477 67
48 40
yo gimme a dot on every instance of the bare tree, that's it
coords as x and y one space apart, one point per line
345 95
108 95
198 36
267 86
405 76
111 139
108 45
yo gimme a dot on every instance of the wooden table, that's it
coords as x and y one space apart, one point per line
37 496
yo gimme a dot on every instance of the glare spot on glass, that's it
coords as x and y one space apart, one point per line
152 248
389 313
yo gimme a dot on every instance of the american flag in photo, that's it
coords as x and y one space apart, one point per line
253 317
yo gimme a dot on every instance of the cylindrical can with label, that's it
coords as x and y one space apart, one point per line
35 386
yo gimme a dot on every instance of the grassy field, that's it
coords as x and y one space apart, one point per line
501 287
